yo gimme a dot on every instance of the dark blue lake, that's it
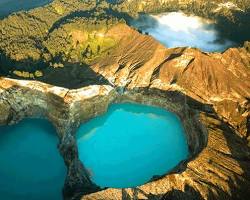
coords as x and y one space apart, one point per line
31 167
9 6
130 144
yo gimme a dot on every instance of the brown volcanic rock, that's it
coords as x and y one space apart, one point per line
213 78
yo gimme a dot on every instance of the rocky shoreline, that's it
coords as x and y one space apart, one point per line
66 109
206 135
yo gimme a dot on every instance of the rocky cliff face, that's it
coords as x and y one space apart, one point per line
210 92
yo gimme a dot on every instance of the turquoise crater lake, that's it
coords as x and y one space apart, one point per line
31 167
130 144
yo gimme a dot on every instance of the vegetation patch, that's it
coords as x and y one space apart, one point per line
79 41
24 74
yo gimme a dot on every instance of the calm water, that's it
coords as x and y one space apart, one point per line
130 144
31 167
175 29
9 6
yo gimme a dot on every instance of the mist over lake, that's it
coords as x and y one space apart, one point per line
175 29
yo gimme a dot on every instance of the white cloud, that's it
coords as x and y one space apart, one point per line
176 29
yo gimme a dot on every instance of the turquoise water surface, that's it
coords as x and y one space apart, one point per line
31 167
130 144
